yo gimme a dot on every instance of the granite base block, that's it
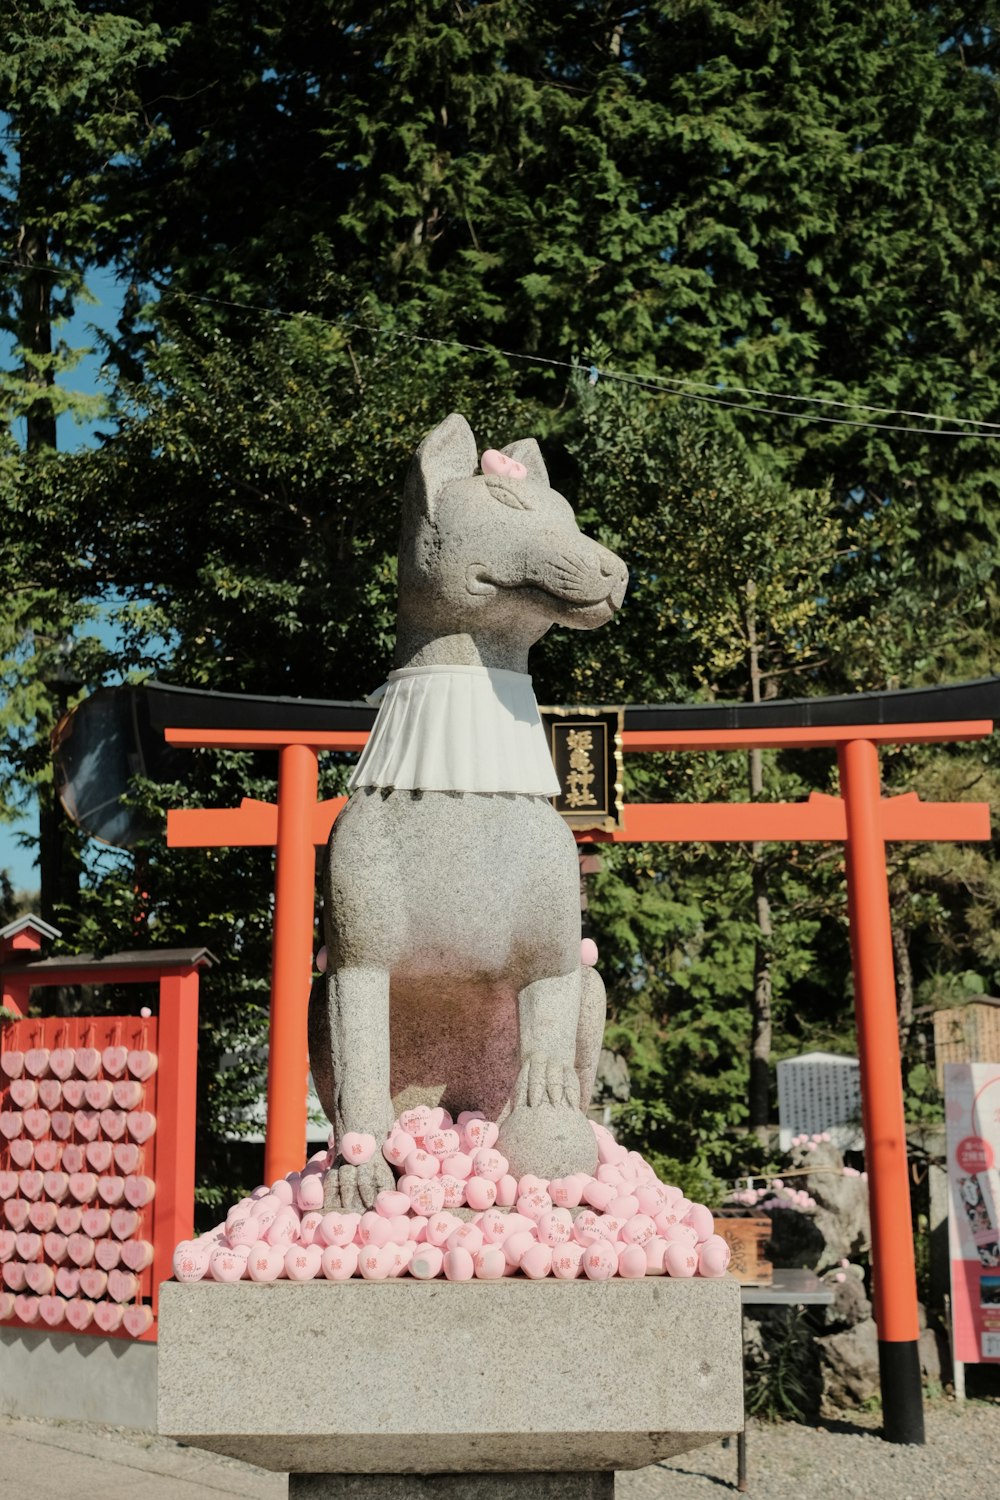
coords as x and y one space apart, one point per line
409 1377
509 1486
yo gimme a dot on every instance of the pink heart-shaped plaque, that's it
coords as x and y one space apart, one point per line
8 1244
47 1155
88 1061
26 1307
13 1275
36 1122
87 1123
73 1159
32 1184
24 1092
40 1278
108 1316
127 1157
82 1186
68 1280
99 1155
122 1285
79 1313
50 1093
61 1062
29 1244
54 1246
107 1254
36 1061
51 1310
62 1124
141 1125
11 1121
98 1093
139 1191
68 1218
228 1265
265 1262
127 1093
113 1123
115 1060
124 1222
192 1256
12 1063
93 1282
8 1184
15 1211
96 1222
138 1320
80 1248
142 1064
74 1091
6 1306
22 1151
137 1255
42 1216
111 1190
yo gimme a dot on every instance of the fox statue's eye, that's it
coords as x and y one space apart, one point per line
509 494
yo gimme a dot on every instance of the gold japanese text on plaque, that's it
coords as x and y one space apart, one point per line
586 749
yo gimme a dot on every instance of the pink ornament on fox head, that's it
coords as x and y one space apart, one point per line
501 466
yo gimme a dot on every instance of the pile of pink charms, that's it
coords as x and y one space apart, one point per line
621 1222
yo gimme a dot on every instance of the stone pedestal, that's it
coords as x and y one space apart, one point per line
519 1386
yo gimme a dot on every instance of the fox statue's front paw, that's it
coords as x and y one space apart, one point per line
352 1189
545 1132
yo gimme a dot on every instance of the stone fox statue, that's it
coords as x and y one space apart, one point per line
451 884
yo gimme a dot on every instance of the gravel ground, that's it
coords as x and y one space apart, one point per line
961 1461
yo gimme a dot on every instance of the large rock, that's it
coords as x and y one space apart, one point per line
849 1367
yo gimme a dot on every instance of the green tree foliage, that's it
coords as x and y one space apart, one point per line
730 208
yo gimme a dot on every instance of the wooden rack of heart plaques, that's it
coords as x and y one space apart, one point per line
78 1146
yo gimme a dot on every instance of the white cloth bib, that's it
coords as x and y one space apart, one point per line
457 729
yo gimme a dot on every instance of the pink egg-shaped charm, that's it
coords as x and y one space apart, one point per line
555 1227
309 1195
466 1237
639 1230
632 1263
339 1262
390 1204
507 1191
490 1263
309 1228
458 1265
398 1147
654 1251
490 1164
701 1220
536 1262
600 1261
422 1164
624 1207
357 1147
285 1228
428 1198
713 1256
480 1193
680 1259
302 1262
374 1229
454 1191
457 1164
567 1261
517 1244
567 1192
266 1262
600 1195
427 1262
338 1229
494 1226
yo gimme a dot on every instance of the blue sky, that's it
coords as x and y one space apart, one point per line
80 332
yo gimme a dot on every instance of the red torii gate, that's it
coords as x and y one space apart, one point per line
860 818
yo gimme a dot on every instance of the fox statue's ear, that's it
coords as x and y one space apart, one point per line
526 451
447 453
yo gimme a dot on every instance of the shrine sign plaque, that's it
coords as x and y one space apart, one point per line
586 749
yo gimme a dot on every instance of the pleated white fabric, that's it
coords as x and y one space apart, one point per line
457 729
